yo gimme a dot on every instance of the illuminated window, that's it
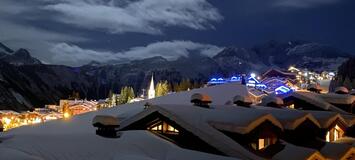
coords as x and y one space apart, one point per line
334 134
327 137
163 127
263 143
292 106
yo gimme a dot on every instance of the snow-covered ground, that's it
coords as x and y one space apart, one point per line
75 139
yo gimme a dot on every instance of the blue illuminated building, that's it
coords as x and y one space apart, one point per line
215 81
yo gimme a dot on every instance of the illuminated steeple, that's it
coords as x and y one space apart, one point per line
151 91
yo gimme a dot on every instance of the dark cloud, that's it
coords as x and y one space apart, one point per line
77 31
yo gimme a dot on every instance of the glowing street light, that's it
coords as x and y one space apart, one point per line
253 75
66 115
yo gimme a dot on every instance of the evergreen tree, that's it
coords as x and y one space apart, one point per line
162 89
127 94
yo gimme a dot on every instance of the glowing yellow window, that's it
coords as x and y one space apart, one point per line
261 144
157 128
172 129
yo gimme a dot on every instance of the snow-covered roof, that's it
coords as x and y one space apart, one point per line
75 139
338 98
289 118
337 151
326 119
242 98
271 99
220 94
106 120
292 152
205 124
349 118
342 90
316 100
346 140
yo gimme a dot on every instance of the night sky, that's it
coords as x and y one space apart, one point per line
75 32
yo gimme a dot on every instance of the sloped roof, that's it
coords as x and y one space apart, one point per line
219 94
289 118
337 151
338 98
346 140
349 118
292 152
205 122
264 75
326 118
316 100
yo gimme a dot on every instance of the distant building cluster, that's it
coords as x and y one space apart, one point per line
65 109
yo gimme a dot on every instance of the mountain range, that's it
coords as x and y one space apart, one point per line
25 82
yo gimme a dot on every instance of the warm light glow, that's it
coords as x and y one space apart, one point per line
66 115
261 144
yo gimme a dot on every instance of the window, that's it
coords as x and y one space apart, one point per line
262 143
292 106
163 127
334 134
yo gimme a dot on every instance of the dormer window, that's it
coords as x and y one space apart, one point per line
334 134
163 127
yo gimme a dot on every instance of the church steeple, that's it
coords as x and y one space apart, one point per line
151 91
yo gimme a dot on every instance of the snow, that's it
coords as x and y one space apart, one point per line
289 118
75 138
205 124
337 151
316 100
292 152
220 95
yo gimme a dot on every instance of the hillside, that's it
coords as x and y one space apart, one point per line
27 83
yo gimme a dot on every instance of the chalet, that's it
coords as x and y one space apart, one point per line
273 83
309 101
277 73
333 125
236 132
345 102
300 128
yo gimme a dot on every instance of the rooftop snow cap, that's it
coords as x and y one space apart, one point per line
314 88
341 90
201 100
106 125
272 101
244 101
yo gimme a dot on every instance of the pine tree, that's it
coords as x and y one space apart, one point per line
130 94
123 95
162 88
